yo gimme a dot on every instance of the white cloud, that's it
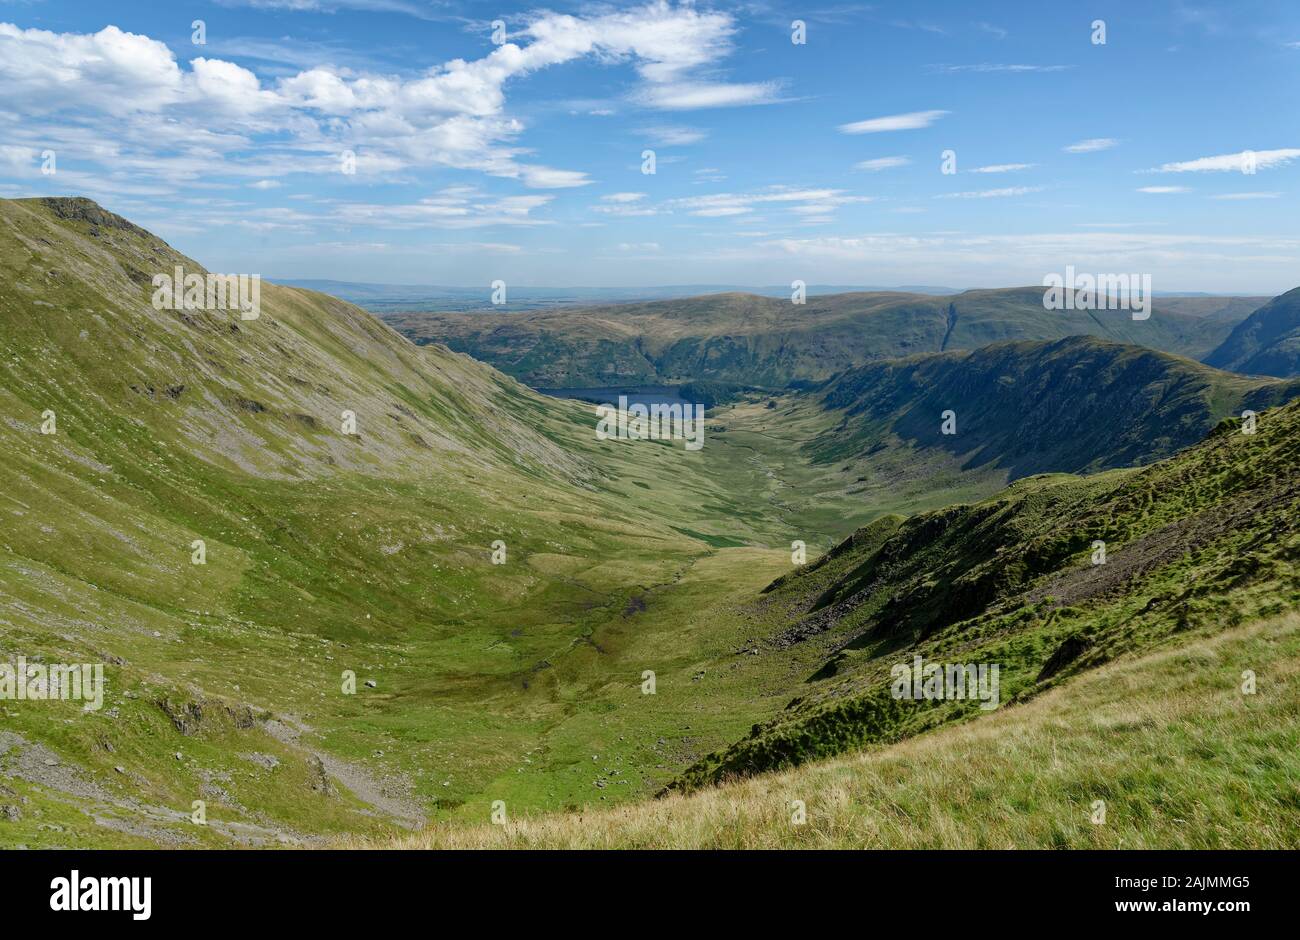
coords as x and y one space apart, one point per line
1163 190
231 89
17 161
993 193
1263 160
1092 145
990 67
111 70
1002 168
265 184
545 177
815 202
689 96
455 207
711 212
669 136
881 163
624 205
894 122
207 119
1247 196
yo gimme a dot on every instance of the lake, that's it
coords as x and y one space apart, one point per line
636 394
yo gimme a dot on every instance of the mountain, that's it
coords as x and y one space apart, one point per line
1051 578
1265 343
1075 405
750 340
185 506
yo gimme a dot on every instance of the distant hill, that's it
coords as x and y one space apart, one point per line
1265 343
1222 308
1075 405
400 298
771 342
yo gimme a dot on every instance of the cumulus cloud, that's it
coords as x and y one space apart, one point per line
113 71
128 93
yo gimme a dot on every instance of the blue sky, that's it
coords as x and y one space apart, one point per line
522 160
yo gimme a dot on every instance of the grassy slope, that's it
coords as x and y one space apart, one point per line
1205 539
1103 667
1227 309
751 340
477 665
1076 405
1265 343
1181 758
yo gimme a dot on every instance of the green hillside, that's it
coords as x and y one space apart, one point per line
1166 745
1192 545
1265 343
750 340
325 552
1075 405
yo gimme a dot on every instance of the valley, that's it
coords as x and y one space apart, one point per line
224 679
424 588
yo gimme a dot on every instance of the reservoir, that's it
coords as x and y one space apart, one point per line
636 394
